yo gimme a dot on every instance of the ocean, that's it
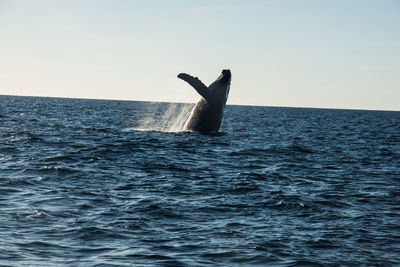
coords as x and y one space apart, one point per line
115 183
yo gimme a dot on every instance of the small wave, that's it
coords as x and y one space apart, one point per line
302 149
92 233
223 254
39 245
58 171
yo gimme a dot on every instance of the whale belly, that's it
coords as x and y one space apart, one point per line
204 118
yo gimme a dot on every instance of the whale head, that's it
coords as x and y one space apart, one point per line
226 72
225 79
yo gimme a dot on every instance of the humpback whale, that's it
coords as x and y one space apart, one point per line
206 116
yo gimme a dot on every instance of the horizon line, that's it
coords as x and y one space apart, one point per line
233 104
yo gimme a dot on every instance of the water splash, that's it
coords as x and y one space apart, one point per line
164 117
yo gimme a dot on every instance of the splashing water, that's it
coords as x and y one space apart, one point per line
165 117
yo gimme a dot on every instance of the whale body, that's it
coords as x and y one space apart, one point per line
206 116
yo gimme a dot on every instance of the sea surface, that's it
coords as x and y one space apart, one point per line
115 183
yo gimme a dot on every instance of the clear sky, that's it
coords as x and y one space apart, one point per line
304 53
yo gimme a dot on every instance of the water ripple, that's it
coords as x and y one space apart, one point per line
92 182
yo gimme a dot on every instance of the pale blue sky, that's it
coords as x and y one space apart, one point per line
310 53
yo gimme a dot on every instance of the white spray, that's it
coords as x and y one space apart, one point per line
164 117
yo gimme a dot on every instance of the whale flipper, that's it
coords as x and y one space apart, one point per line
198 85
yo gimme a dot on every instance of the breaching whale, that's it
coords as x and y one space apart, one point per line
206 116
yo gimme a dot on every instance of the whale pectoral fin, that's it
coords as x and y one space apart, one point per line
195 83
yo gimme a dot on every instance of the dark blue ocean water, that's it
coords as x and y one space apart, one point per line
110 183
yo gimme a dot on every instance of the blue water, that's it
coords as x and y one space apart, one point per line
112 183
